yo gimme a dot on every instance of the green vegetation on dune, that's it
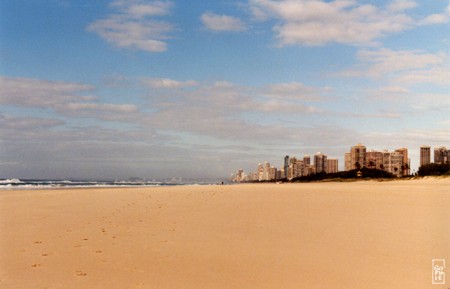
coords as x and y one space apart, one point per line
364 173
434 169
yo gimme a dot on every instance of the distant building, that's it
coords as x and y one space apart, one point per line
293 168
286 166
240 176
374 160
441 155
272 174
358 156
260 172
405 167
348 161
266 172
425 155
332 166
307 168
392 163
306 160
396 162
320 163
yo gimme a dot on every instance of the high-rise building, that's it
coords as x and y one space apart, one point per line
307 169
358 156
392 162
374 160
292 170
286 166
441 155
348 161
272 173
306 160
240 176
300 168
320 163
405 162
425 155
332 166
260 172
266 172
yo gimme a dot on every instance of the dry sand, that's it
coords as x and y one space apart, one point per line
316 235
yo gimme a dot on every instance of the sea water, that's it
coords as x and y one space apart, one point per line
42 184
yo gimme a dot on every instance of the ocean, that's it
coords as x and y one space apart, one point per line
44 184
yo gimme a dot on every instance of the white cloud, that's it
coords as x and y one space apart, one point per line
217 22
401 5
27 123
340 21
435 19
167 83
386 60
438 18
30 92
294 91
135 25
225 98
140 9
65 98
432 102
220 109
104 111
403 66
394 89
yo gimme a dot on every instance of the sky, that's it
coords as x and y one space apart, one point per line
199 89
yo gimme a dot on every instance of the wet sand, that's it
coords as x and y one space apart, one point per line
315 235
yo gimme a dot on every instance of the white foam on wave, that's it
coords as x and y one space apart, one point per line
11 181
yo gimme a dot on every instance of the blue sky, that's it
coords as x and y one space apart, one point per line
199 89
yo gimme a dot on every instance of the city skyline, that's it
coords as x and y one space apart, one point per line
396 162
196 89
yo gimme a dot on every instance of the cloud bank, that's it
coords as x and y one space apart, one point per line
314 23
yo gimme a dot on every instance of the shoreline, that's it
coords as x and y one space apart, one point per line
334 180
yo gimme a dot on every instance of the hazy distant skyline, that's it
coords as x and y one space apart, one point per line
197 89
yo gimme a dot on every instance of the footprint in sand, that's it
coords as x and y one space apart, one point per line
98 251
36 265
80 273
38 242
44 255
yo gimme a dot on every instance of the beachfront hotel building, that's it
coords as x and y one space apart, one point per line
393 163
320 163
332 166
441 155
307 160
425 155
348 161
286 166
374 160
357 157
405 162
396 162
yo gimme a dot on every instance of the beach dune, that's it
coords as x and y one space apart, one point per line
317 235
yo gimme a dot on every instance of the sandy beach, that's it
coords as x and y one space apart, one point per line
316 235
